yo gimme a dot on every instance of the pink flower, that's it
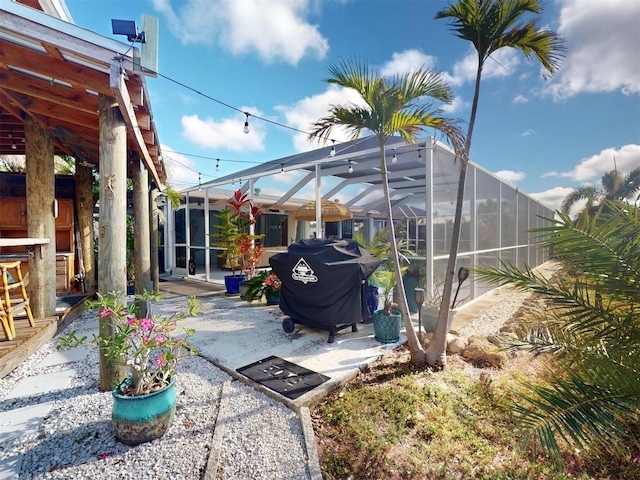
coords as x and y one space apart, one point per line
104 313
160 360
161 339
146 323
132 321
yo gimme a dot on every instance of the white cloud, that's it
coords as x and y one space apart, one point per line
626 158
552 198
307 111
502 63
510 176
227 133
528 132
407 61
602 47
181 170
520 99
275 30
456 105
552 173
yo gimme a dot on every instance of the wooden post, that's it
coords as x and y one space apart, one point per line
112 223
153 239
41 185
84 208
141 223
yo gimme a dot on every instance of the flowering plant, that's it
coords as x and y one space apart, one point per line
272 285
144 344
264 283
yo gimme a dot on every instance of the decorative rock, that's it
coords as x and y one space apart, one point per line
456 345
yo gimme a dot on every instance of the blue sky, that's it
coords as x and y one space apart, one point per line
270 58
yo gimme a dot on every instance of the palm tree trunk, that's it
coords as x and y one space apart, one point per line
415 347
436 354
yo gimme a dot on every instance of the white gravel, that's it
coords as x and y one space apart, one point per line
262 439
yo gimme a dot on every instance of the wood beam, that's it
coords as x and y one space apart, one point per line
119 89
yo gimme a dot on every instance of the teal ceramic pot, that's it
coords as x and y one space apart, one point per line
142 418
232 283
387 327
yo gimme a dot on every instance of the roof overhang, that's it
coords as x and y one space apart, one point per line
53 72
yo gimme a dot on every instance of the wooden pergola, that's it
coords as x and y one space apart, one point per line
65 90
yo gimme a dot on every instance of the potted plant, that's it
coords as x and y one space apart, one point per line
266 284
386 321
433 300
145 400
237 244
379 247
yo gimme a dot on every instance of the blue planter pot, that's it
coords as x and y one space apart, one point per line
387 327
232 283
273 299
142 418
371 295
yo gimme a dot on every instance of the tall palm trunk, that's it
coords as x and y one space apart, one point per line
415 347
436 354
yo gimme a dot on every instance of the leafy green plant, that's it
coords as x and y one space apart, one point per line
591 326
144 344
238 246
266 283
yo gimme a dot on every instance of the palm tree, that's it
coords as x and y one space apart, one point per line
592 328
490 25
615 186
393 105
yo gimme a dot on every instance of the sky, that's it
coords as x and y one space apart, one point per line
220 58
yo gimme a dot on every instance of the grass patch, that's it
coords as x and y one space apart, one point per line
394 422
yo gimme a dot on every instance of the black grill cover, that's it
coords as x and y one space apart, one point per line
323 281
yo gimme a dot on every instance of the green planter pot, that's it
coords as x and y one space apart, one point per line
387 327
142 418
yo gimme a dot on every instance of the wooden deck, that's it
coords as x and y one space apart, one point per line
29 339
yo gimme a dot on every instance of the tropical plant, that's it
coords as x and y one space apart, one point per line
592 328
386 279
233 235
144 345
400 105
266 283
615 186
489 25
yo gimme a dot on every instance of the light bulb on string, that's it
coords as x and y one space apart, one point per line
282 169
199 181
217 164
350 167
419 155
332 153
394 159
246 123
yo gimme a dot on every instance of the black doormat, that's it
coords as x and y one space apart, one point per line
284 377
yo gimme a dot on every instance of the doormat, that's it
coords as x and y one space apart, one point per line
286 378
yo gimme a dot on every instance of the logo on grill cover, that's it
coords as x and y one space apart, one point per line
302 272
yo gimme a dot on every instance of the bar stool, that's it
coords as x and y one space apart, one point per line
13 297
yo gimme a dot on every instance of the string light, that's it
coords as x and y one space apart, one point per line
332 153
217 164
394 159
282 169
350 167
199 181
246 123
419 155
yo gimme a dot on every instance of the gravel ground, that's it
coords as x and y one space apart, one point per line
262 439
